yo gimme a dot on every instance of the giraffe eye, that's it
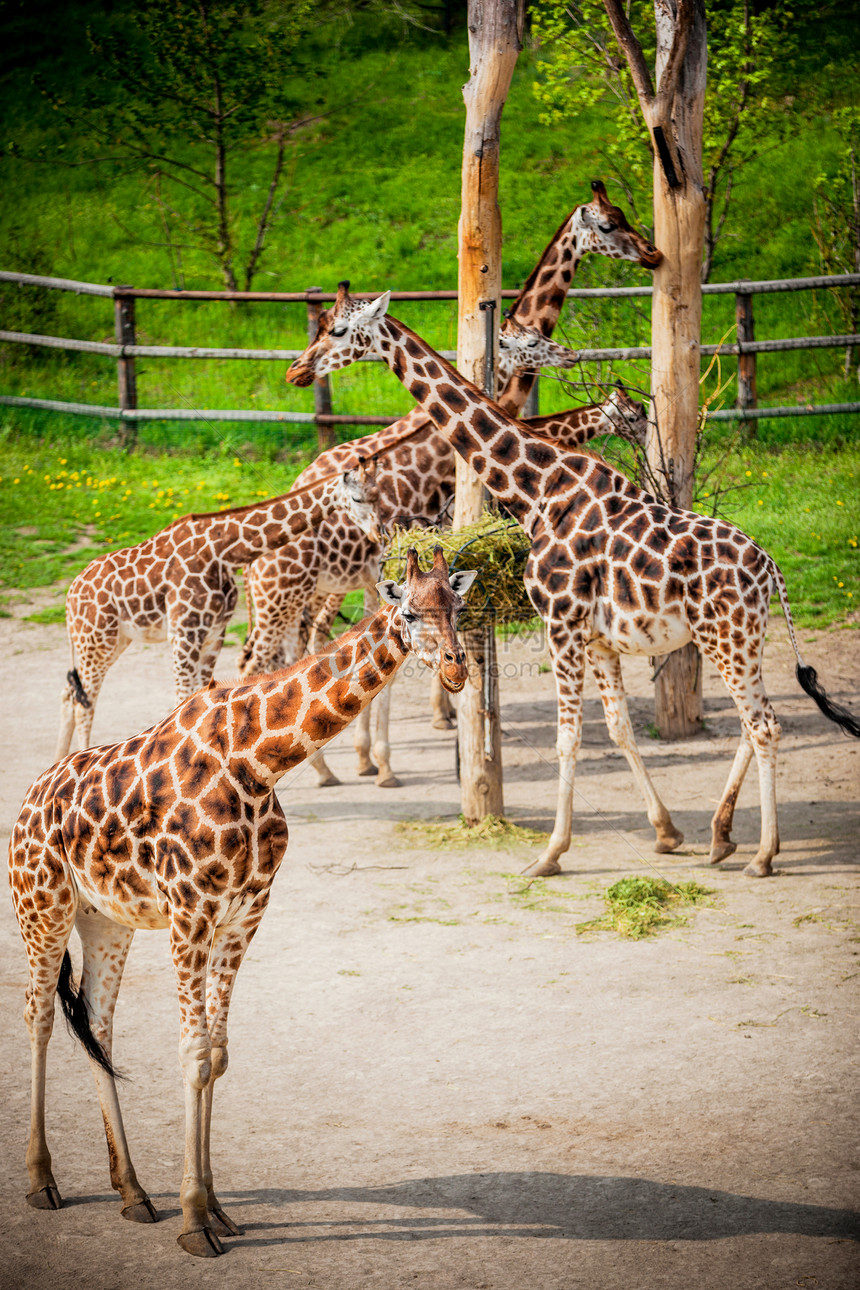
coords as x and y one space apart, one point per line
340 331
532 344
406 616
607 228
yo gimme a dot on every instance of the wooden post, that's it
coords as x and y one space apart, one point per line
495 40
322 386
676 317
124 334
746 362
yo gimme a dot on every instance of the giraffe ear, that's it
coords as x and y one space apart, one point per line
462 581
373 310
389 592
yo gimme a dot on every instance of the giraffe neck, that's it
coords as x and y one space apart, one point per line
282 719
516 468
542 298
242 534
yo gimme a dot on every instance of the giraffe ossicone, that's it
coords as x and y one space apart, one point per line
180 828
611 571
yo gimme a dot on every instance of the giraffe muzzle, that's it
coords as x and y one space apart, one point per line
299 375
453 672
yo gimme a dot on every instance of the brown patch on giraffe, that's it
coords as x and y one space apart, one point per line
221 804
282 706
272 838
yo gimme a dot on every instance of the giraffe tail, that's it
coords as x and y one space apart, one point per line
807 677
79 694
77 1015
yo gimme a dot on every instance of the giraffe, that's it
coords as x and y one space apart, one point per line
294 599
280 585
180 828
611 571
524 348
180 585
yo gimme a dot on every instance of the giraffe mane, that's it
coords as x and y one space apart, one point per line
535 273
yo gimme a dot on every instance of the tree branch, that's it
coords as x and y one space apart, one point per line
632 51
672 70
263 225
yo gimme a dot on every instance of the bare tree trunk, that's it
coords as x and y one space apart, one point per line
674 117
679 231
495 40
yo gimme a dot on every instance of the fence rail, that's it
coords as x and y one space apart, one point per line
125 349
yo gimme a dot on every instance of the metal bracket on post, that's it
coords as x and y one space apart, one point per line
489 310
489 682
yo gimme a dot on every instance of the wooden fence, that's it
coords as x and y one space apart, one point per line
125 349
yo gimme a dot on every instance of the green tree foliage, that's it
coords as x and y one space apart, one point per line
836 218
181 90
580 66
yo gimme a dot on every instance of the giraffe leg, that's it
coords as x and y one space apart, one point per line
606 666
444 715
96 658
105 947
361 730
228 950
195 1059
721 825
386 777
361 741
567 652
46 944
67 721
740 668
210 652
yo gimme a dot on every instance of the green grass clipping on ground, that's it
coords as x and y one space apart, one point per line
637 907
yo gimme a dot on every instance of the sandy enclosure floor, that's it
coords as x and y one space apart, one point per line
434 1082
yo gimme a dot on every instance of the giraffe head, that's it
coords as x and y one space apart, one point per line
345 334
428 605
526 348
626 418
603 228
360 497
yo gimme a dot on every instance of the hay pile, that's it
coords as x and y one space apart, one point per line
497 547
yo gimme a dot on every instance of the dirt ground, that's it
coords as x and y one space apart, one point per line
434 1081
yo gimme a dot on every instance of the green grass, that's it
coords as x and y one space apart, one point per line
637 907
443 835
65 501
374 196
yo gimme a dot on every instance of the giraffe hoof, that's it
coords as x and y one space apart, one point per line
759 869
366 771
46 1198
722 850
542 869
391 781
330 781
443 723
142 1211
222 1224
669 840
203 1244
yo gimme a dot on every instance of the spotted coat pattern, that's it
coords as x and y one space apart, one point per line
416 480
180 828
180 585
611 571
